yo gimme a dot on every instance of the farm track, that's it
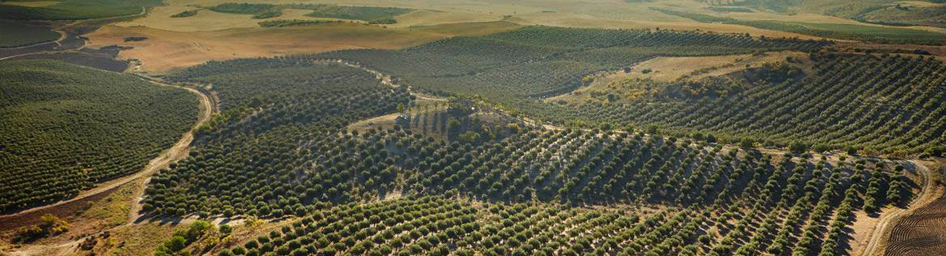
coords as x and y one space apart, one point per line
176 152
920 232
891 221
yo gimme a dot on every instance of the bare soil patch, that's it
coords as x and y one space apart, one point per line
923 231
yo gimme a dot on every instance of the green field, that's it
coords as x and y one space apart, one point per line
14 34
66 128
77 9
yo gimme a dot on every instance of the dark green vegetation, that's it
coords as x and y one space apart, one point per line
185 14
304 102
259 11
442 226
380 15
17 34
294 23
838 31
66 128
78 9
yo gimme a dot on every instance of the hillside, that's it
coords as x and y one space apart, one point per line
67 128
468 127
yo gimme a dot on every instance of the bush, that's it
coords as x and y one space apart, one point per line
798 147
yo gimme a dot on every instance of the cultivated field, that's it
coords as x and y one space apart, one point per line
67 128
471 127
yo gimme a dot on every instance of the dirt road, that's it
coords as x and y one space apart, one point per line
176 152
889 219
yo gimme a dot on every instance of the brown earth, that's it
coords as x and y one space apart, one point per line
166 50
921 232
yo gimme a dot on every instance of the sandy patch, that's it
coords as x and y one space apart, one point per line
31 3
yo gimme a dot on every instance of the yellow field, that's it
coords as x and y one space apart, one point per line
166 50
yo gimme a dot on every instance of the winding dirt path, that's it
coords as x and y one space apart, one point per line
889 219
176 152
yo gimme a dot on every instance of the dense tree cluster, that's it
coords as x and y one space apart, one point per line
66 128
276 147
437 225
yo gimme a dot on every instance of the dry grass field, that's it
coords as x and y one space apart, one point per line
670 69
166 50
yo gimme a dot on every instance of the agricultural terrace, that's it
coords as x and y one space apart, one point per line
67 128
